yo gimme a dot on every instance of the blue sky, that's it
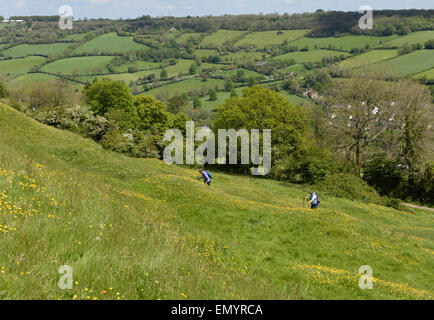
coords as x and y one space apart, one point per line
136 8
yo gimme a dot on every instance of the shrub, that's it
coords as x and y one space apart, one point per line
346 185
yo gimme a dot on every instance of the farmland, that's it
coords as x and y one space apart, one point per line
408 64
252 57
79 65
36 49
268 38
110 42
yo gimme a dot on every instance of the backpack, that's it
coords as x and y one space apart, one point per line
209 174
318 198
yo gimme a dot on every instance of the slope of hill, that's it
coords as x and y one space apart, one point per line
141 229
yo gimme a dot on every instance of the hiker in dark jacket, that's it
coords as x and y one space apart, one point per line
206 176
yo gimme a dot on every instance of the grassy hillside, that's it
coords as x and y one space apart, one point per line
110 42
43 49
141 229
80 65
368 58
411 63
14 67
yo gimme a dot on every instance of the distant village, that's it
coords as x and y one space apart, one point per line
12 21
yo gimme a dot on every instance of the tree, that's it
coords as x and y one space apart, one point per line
163 74
229 85
151 113
175 104
358 113
196 102
212 94
262 108
105 94
193 68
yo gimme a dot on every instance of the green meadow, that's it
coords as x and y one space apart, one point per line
309 56
110 42
345 43
429 74
411 63
138 229
411 38
268 38
79 65
367 58
219 37
23 50
14 67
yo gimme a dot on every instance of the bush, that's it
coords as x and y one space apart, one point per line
346 185
3 91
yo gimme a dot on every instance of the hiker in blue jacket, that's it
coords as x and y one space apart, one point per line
206 175
313 199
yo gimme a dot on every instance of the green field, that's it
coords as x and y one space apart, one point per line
110 42
217 38
411 38
268 38
138 229
411 63
185 85
345 43
205 53
23 50
79 65
31 78
141 65
429 74
309 56
367 58
299 68
19 66
242 56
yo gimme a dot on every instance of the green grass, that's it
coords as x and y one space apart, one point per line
205 53
411 38
19 66
429 74
141 65
242 56
414 62
345 43
367 58
299 68
268 38
79 65
219 37
23 50
31 78
309 56
139 229
186 85
110 42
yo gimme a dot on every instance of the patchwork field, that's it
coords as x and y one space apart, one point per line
309 56
268 38
219 37
23 50
110 42
345 43
20 66
367 58
411 63
429 74
79 65
186 85
411 38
